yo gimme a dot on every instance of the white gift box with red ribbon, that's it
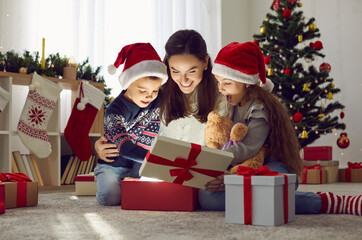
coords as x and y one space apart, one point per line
260 200
184 163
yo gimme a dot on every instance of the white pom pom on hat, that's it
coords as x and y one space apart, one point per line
140 60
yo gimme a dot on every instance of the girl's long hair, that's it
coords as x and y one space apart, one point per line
174 103
282 137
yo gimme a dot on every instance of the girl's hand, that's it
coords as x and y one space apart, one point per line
216 184
105 150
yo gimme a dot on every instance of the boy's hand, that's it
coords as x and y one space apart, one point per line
105 150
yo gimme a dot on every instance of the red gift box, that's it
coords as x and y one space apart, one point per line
318 153
2 198
157 196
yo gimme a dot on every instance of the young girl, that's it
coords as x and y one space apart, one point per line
238 68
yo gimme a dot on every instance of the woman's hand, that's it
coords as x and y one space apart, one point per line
105 150
216 184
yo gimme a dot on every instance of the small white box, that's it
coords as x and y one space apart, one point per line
85 185
267 199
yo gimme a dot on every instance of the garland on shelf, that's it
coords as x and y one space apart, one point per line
28 63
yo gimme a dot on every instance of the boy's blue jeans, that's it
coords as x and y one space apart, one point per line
305 202
109 182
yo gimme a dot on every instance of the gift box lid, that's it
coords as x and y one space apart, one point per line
260 180
331 163
317 148
85 178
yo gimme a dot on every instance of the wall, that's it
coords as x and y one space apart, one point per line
339 23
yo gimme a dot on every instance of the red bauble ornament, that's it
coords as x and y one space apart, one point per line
297 117
341 115
277 48
316 45
343 141
287 71
325 67
267 60
287 13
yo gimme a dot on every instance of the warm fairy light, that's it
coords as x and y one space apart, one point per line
342 153
335 134
316 132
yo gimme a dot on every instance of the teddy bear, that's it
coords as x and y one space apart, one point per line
221 132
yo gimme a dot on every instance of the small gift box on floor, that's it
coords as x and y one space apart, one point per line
351 174
314 174
318 153
184 163
331 168
157 195
20 191
259 197
2 198
85 185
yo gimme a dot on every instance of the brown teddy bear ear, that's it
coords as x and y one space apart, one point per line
212 115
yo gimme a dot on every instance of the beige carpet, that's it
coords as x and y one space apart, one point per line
62 215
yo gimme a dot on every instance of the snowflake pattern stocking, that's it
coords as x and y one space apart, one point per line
39 106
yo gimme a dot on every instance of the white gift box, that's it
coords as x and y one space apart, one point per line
85 185
166 154
267 194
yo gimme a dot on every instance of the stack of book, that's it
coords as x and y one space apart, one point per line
72 166
26 163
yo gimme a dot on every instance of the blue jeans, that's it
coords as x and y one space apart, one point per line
305 202
109 182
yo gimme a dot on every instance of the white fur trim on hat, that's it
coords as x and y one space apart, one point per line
230 73
143 69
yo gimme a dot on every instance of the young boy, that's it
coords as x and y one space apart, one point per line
132 119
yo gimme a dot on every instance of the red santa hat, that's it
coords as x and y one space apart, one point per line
242 62
140 60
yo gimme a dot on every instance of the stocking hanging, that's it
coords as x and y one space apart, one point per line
39 106
4 98
88 102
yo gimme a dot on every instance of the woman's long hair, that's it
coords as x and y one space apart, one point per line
283 141
174 103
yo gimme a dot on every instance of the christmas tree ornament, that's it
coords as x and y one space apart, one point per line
343 141
330 96
325 67
270 72
321 115
306 87
341 114
300 38
297 117
275 5
287 71
332 85
277 48
287 13
312 27
316 45
23 70
267 60
39 106
86 106
4 98
304 134
300 4
262 30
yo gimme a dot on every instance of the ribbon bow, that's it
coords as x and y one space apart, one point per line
182 173
263 170
14 177
354 165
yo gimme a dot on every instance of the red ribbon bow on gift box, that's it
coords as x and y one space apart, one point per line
260 171
21 179
306 168
182 173
351 165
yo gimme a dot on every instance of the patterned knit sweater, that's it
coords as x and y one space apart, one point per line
131 128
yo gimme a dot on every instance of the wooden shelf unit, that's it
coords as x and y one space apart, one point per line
50 167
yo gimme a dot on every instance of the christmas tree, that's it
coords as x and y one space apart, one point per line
290 45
